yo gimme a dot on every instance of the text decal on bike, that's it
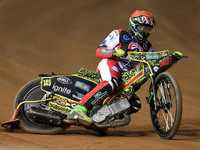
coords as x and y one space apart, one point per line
82 86
152 56
47 82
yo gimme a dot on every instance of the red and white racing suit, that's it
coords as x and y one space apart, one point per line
110 67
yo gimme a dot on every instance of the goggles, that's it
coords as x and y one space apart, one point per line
144 29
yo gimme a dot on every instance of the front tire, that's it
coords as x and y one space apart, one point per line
31 92
166 120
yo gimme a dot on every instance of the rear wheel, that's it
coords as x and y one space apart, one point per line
31 92
167 118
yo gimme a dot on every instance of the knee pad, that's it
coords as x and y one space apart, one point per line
135 104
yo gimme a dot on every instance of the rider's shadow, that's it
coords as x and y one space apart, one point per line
131 133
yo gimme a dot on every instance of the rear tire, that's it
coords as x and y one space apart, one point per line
167 119
31 92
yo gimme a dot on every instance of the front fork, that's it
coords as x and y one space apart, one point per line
152 94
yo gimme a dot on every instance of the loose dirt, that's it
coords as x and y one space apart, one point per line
61 36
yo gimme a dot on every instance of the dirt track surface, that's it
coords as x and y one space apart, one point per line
61 36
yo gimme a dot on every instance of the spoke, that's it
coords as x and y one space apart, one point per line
162 92
167 91
169 112
159 96
172 119
166 120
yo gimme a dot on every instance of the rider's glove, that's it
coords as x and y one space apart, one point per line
177 55
119 53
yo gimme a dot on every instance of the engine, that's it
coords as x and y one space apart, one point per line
111 111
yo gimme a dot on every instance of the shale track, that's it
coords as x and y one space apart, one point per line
61 36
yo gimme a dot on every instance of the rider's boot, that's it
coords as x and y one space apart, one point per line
78 115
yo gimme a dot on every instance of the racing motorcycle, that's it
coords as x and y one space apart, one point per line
42 105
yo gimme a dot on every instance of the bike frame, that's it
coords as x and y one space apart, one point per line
152 61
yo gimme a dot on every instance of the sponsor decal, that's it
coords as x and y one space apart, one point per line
60 103
64 80
99 96
104 43
47 82
105 51
60 100
115 68
155 69
78 96
59 108
126 38
111 36
82 86
152 56
64 90
75 96
163 54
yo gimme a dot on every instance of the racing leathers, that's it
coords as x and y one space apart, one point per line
110 67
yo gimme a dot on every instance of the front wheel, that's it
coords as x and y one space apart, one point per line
167 118
31 92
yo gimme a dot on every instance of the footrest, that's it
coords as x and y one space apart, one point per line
10 124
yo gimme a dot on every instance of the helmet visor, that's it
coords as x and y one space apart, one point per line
144 29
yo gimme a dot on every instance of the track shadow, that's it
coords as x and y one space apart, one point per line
189 130
133 133
111 132
188 134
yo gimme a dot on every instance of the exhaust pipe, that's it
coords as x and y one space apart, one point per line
45 116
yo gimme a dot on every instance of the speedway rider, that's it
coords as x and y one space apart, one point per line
114 61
